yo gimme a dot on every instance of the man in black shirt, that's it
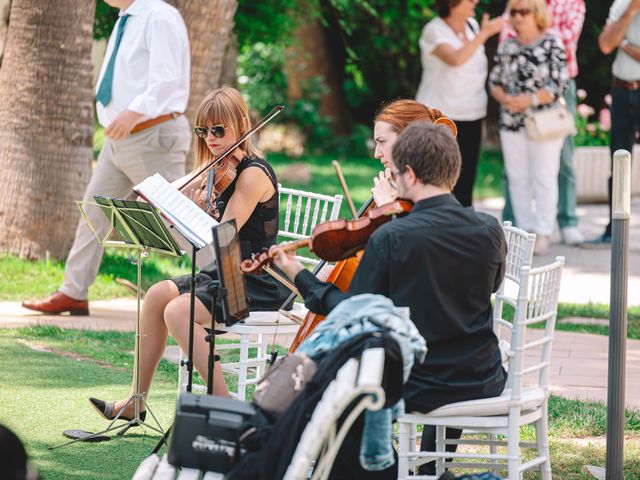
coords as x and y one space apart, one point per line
442 261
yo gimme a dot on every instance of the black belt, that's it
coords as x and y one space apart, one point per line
627 85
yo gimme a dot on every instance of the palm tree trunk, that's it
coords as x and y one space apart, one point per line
46 124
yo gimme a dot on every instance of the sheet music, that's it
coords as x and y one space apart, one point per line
193 223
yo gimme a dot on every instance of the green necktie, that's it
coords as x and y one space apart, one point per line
104 92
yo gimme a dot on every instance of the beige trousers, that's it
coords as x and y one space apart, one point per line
121 165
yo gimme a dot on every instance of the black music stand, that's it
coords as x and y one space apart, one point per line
229 292
140 228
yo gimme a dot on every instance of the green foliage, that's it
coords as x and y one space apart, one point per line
267 21
105 18
261 76
595 68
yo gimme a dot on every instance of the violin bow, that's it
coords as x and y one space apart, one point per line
266 119
345 189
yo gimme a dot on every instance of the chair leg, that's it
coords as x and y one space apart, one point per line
263 345
242 367
542 441
404 447
440 448
493 447
513 448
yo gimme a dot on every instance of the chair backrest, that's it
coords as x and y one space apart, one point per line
320 441
537 303
303 211
519 255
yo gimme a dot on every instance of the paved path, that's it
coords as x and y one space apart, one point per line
586 274
579 365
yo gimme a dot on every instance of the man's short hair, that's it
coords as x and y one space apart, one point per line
432 153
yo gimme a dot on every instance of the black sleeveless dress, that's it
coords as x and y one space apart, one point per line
259 231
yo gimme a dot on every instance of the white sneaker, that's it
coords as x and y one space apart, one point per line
571 236
541 246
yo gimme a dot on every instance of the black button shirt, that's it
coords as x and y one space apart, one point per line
442 261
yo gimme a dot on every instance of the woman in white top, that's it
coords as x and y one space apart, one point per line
454 72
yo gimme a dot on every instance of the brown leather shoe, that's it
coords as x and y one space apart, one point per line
57 303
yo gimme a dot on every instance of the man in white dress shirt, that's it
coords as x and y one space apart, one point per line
141 95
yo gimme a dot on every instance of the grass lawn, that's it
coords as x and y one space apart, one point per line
48 373
589 310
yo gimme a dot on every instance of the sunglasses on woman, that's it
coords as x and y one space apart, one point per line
523 12
217 131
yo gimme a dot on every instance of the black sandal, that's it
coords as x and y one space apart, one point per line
106 410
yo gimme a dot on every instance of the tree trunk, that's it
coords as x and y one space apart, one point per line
210 25
3 27
317 53
46 124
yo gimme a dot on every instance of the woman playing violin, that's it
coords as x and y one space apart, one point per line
251 198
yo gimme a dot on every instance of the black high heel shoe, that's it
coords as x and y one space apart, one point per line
106 410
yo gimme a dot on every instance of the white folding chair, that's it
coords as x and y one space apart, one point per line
524 401
353 380
155 468
303 211
519 254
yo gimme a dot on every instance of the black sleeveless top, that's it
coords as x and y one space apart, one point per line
261 228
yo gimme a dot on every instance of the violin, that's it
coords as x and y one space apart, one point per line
218 180
336 240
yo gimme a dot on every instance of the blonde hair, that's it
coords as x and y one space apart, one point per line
540 12
223 106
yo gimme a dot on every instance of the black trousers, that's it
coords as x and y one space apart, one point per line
625 124
469 136
428 444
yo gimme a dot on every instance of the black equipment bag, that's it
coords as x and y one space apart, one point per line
206 431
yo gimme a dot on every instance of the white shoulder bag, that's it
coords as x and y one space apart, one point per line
549 124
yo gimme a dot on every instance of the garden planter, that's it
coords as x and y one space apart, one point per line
592 167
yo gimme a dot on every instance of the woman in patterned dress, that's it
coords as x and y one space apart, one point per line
530 73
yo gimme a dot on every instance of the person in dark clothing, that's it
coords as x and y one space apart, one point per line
252 200
443 261
13 458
